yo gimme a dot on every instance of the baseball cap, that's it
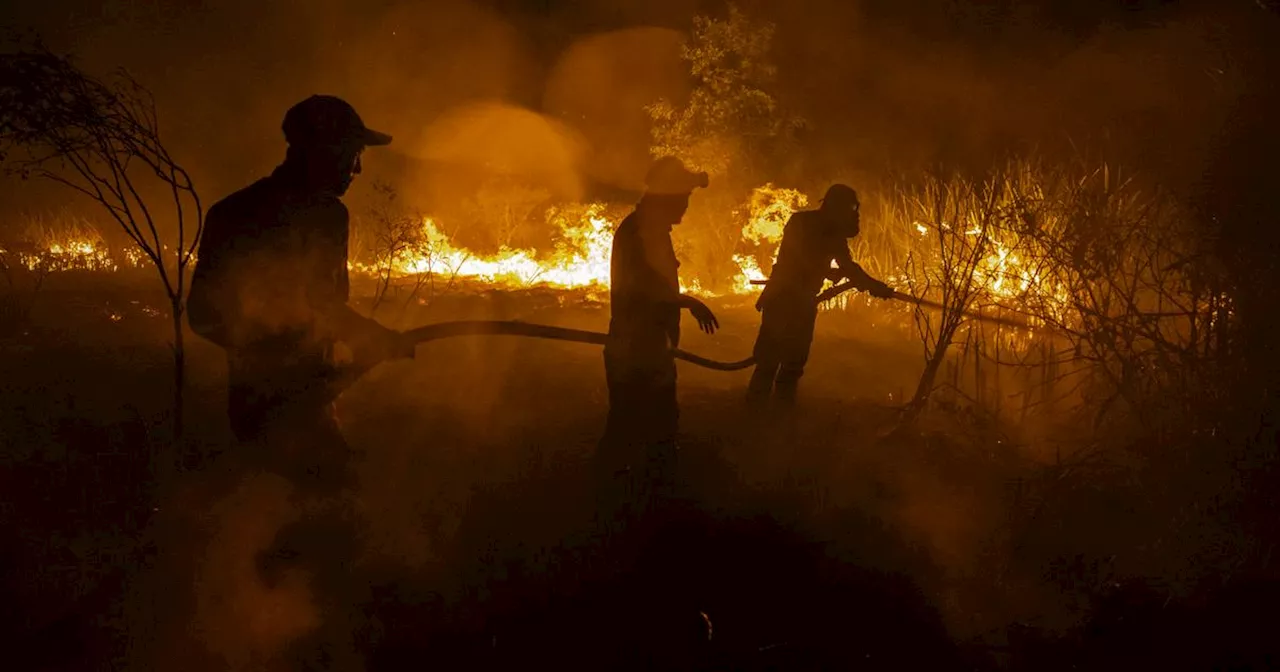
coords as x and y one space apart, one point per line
328 120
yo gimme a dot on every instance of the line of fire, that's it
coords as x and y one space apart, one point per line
662 335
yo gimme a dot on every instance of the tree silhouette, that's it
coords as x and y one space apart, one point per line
102 139
731 126
731 122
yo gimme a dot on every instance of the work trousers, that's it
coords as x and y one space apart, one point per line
286 423
782 346
643 414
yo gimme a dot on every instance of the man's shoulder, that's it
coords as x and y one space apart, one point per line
333 206
627 229
268 196
801 223
805 216
242 200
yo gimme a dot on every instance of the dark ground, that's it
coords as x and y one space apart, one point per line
805 541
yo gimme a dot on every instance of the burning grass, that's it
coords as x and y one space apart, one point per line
1102 273
579 256
48 244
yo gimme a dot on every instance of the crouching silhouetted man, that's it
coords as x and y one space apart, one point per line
645 305
270 287
811 241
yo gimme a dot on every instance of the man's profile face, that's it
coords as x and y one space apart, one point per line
846 219
670 208
349 163
332 168
680 206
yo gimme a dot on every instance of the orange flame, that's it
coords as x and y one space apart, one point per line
767 213
580 257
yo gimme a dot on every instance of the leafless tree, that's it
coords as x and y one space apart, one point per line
1136 296
1128 308
958 219
101 138
393 237
402 242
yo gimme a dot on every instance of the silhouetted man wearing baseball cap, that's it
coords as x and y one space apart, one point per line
271 287
645 305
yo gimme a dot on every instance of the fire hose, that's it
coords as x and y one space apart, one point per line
442 330
836 290
434 332
349 374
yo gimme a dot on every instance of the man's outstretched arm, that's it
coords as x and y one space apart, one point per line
706 319
644 259
850 269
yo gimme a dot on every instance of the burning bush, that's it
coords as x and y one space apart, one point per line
1116 293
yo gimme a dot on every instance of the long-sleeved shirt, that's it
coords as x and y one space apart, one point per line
271 273
644 288
809 245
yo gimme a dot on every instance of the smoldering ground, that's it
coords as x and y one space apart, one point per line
480 518
805 535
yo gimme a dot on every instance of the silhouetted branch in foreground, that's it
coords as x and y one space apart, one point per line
101 138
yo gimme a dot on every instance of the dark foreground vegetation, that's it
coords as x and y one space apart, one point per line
808 540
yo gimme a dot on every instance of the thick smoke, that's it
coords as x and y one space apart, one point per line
882 88
242 620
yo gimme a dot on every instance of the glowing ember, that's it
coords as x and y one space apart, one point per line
71 255
51 248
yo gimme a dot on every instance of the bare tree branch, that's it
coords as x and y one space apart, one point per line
100 138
